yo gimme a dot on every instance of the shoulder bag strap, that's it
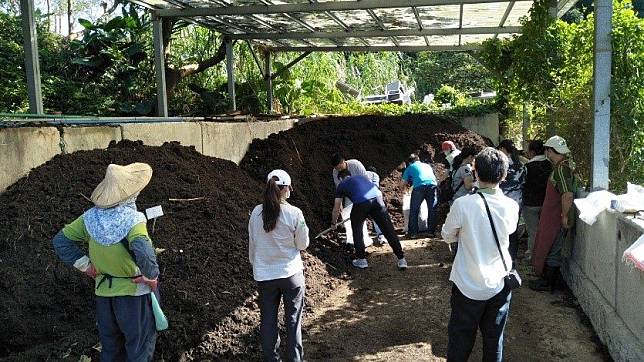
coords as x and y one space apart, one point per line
496 238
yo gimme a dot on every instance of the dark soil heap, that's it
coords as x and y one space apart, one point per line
383 142
47 308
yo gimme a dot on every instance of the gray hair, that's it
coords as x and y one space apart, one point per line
491 165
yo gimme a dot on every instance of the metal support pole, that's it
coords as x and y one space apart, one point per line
32 63
525 127
601 94
159 67
552 8
230 72
269 81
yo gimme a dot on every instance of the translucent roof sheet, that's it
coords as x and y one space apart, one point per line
328 25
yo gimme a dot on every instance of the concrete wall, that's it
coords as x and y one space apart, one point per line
230 141
611 294
22 149
486 125
155 134
88 138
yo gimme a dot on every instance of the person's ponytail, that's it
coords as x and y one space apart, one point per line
271 205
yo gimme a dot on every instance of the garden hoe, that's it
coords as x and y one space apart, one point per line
332 227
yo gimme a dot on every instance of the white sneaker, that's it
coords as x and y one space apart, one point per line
360 263
402 264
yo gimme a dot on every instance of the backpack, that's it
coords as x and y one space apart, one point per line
446 193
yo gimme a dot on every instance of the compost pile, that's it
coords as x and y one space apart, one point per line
47 308
383 142
206 284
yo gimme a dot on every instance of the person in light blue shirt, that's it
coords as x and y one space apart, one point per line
421 177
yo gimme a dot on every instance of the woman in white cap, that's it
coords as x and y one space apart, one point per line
277 232
121 260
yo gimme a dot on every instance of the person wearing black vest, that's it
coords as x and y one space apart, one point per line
534 189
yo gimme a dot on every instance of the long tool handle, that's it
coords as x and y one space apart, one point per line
332 227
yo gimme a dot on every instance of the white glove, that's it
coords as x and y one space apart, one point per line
83 263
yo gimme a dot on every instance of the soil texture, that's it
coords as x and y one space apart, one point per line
208 293
382 314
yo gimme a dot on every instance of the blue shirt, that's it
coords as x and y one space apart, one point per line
358 189
419 174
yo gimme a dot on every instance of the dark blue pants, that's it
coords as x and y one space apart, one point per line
418 194
376 209
469 315
291 290
126 328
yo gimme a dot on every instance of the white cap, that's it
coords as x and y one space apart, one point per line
558 143
283 179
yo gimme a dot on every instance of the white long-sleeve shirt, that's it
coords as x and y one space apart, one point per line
276 254
478 269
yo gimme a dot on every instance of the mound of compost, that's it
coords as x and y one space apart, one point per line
208 294
383 142
47 308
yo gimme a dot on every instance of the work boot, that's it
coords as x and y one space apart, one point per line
547 281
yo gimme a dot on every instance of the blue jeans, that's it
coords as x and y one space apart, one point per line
418 194
468 315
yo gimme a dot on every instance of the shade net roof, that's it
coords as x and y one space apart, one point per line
355 25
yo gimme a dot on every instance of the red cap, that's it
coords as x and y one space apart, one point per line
447 146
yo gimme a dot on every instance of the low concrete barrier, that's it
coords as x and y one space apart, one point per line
486 125
156 134
609 291
230 141
88 138
22 149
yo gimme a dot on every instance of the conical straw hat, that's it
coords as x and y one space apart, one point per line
121 183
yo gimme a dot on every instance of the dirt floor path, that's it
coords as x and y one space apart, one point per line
386 315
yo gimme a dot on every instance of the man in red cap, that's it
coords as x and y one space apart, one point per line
450 151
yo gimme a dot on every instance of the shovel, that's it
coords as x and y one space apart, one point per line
332 227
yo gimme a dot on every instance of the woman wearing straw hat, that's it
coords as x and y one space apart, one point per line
121 260
277 232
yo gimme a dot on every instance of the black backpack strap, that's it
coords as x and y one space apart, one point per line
459 186
496 238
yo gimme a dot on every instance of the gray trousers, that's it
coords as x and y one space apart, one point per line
291 291
531 217
126 328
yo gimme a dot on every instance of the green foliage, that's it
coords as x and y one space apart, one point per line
449 94
548 69
12 73
430 70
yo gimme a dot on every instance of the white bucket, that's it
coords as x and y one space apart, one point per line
423 214
346 213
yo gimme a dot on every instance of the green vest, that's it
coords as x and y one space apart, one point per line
114 265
